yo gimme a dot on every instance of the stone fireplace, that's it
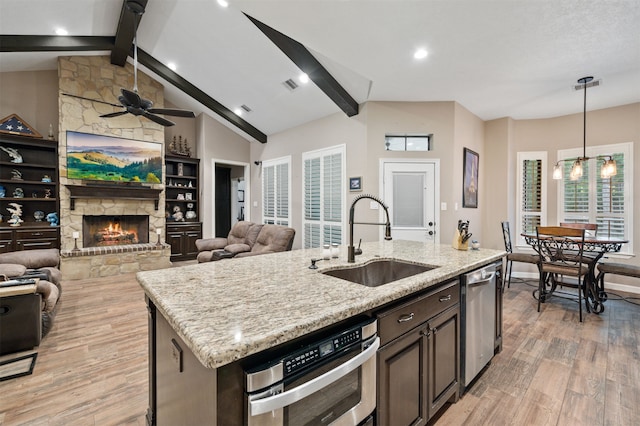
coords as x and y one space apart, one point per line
108 230
136 250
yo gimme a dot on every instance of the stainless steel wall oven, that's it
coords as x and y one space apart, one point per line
328 382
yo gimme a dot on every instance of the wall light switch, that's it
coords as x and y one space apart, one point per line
443 206
455 206
255 204
373 205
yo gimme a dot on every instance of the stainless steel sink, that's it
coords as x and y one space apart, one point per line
379 272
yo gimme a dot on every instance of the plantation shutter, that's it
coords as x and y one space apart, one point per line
531 207
593 199
531 196
323 197
275 191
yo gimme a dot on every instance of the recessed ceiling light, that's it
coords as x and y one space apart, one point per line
172 66
238 111
223 3
61 32
420 53
303 78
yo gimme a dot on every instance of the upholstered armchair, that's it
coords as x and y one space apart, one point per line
246 239
271 239
42 264
241 238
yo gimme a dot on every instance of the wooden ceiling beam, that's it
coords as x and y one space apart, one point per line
301 56
40 43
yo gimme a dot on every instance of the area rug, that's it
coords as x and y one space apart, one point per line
16 367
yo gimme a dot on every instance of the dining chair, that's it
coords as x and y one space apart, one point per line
560 251
531 259
590 228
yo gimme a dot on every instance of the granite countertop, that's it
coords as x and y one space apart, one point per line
227 310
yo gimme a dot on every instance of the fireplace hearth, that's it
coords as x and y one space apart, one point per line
109 230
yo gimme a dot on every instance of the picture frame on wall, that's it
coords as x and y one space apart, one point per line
470 179
355 184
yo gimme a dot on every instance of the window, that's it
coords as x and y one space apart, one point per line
323 193
276 187
408 143
532 198
604 201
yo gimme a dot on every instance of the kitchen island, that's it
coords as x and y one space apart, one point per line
229 310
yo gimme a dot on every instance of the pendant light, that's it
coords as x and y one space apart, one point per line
608 168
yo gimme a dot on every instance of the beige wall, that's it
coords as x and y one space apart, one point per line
215 142
608 126
33 96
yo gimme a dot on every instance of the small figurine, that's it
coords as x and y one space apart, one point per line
52 218
46 178
177 215
47 193
13 153
18 193
38 215
2 191
16 174
16 214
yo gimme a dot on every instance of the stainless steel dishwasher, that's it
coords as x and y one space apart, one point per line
478 297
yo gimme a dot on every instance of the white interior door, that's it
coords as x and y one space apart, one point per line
409 189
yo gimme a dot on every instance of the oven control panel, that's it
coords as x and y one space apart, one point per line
313 353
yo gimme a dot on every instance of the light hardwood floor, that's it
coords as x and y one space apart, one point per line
92 367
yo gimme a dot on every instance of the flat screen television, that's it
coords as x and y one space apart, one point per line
112 159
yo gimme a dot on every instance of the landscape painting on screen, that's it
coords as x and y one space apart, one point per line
106 158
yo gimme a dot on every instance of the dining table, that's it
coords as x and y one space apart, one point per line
595 247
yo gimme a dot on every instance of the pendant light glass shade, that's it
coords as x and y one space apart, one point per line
557 172
576 170
608 169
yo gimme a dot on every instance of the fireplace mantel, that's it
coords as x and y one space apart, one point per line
129 192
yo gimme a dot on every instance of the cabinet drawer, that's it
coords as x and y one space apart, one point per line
188 227
399 319
36 234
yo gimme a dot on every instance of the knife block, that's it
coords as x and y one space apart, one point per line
457 242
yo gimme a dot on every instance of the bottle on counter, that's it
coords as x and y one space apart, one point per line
326 252
335 251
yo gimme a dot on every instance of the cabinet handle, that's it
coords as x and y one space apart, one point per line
405 317
445 298
37 234
426 333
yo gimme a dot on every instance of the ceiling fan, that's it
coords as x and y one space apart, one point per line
130 99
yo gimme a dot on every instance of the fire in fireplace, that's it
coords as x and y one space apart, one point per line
107 230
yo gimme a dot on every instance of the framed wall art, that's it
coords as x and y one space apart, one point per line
470 179
355 184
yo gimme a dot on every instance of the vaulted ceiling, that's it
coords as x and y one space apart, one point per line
497 58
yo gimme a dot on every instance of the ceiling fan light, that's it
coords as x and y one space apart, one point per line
557 171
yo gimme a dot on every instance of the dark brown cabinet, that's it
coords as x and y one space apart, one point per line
419 360
33 185
182 239
183 213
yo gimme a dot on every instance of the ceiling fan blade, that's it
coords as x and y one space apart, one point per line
133 99
158 119
113 114
92 100
174 112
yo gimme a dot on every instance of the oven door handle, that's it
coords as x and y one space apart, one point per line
275 402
